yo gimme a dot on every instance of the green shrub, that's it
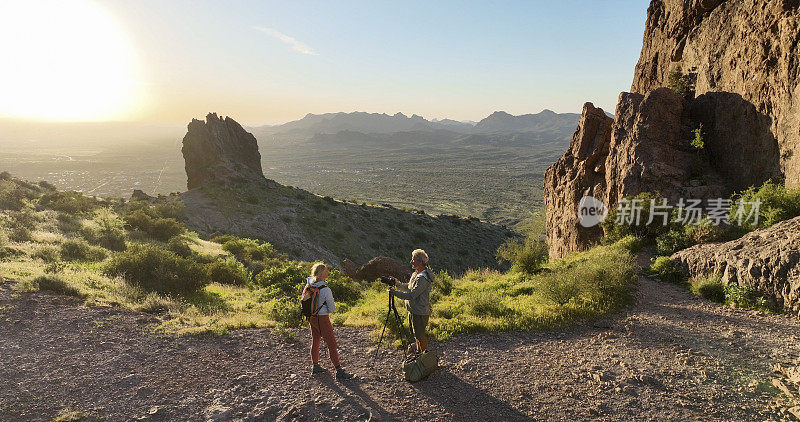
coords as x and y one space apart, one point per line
79 250
745 297
158 270
158 228
560 288
228 271
680 84
673 241
344 289
13 197
47 253
20 234
180 247
484 302
107 232
777 204
70 202
68 223
631 244
442 286
709 287
529 254
286 310
667 270
250 250
286 279
56 284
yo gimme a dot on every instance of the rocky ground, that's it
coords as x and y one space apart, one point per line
671 356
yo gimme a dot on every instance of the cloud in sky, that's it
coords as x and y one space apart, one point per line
296 45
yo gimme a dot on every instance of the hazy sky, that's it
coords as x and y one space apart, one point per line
270 61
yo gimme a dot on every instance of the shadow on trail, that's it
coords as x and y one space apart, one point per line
356 397
462 400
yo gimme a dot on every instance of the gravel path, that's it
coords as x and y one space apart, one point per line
670 356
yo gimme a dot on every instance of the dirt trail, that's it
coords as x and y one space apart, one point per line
671 356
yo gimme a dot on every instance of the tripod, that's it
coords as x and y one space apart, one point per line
392 310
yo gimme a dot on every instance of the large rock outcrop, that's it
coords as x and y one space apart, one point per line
742 58
580 172
219 150
745 47
766 260
645 148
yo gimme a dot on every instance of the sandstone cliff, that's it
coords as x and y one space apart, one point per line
219 150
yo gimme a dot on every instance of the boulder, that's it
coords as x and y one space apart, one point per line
765 260
745 47
377 267
220 150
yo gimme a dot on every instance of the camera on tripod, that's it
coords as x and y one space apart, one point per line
389 281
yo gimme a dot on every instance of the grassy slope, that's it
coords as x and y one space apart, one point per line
34 235
305 225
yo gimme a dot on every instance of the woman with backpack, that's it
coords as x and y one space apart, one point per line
319 320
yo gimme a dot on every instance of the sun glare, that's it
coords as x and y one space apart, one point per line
64 60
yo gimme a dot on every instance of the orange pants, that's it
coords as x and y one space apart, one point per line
321 328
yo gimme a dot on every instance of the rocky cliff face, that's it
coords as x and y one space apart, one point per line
580 172
766 260
742 57
744 47
219 150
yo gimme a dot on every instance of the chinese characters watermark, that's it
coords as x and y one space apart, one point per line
592 211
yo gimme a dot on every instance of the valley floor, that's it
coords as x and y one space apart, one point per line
670 356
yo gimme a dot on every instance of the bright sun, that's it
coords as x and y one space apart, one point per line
64 60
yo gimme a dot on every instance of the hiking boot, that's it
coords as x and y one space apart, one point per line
316 369
342 375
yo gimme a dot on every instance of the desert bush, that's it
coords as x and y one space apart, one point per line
250 250
667 270
344 289
80 250
108 230
529 254
286 279
777 204
486 302
709 287
745 297
56 284
44 184
158 270
159 228
442 286
26 219
228 271
673 241
180 246
70 202
631 244
68 223
20 234
679 83
286 310
47 253
13 197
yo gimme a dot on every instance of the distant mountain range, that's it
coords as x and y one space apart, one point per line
547 121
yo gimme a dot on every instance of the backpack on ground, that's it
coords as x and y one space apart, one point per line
309 301
420 366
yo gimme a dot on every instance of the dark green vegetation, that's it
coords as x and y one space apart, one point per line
298 222
197 285
777 204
